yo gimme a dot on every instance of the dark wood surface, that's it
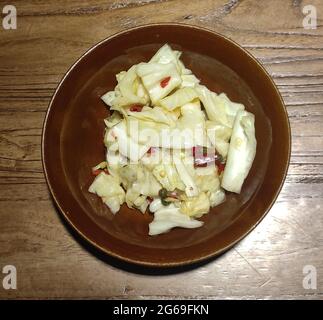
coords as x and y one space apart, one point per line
50 261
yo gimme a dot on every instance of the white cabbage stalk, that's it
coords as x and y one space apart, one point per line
191 189
178 98
219 136
188 161
170 217
108 188
152 74
219 108
155 205
214 110
127 146
241 153
193 122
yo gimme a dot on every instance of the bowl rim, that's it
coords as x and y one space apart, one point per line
211 255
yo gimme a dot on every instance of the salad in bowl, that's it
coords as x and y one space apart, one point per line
173 147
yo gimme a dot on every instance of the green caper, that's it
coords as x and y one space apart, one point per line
164 202
163 193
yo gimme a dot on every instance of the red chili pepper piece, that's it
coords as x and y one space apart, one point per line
150 199
136 108
220 166
96 172
165 82
194 151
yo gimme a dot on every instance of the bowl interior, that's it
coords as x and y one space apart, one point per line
73 144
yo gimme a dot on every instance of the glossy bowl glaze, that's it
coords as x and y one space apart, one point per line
73 143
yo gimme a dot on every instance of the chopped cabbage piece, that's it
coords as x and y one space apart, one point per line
108 188
168 177
241 153
159 79
167 55
146 183
170 217
215 110
193 118
155 205
216 197
109 98
209 182
114 119
219 136
128 86
178 98
127 146
156 114
189 81
231 108
191 189
196 206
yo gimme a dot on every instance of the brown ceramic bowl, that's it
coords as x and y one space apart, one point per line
73 143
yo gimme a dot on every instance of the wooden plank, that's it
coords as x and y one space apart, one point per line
266 264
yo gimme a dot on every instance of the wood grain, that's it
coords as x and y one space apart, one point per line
51 261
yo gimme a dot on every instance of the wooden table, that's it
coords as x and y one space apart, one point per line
50 262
